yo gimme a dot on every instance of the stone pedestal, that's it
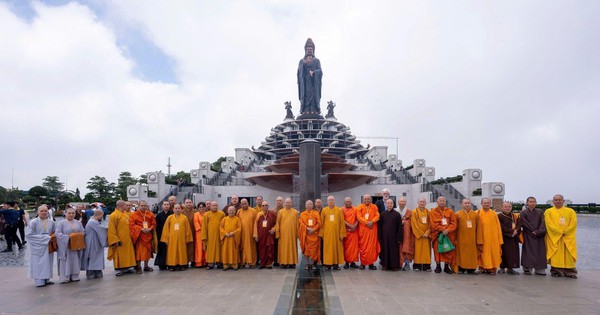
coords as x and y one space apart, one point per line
310 171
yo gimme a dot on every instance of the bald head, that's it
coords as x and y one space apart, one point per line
367 199
288 203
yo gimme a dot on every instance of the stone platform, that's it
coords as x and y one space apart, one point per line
199 291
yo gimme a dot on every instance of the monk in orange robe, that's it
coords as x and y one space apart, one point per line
141 225
489 238
369 248
121 250
407 247
443 221
247 216
199 254
308 234
351 239
230 232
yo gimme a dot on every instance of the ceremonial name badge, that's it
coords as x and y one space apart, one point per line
310 222
264 223
145 225
331 218
366 216
444 221
176 226
423 219
562 221
469 224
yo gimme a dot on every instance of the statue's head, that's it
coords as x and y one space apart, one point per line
309 47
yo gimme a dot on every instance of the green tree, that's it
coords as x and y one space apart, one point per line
143 179
216 166
3 193
77 196
53 185
37 193
125 179
102 190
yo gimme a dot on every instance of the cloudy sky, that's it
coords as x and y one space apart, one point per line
99 87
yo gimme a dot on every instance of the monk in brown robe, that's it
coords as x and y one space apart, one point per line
351 240
308 234
141 225
511 227
419 221
407 247
247 216
368 216
199 254
534 245
189 212
235 202
467 223
264 234
442 220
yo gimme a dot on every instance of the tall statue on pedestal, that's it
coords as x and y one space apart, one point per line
309 81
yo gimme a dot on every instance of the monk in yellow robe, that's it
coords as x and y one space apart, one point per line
230 233
561 242
351 240
467 256
177 234
211 238
332 232
286 231
489 238
308 234
199 254
141 224
368 243
120 249
247 246
189 212
419 223
442 221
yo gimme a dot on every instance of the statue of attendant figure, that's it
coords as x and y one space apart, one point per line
309 80
330 107
288 108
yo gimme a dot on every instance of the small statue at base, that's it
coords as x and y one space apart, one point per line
330 106
288 107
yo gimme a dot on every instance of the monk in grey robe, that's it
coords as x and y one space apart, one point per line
69 261
95 242
38 237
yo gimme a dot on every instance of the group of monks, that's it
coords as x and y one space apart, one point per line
182 236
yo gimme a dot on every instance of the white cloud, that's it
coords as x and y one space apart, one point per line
512 89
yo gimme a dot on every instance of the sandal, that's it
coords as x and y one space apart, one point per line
139 271
336 267
148 269
307 267
119 273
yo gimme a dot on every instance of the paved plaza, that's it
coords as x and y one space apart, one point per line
199 291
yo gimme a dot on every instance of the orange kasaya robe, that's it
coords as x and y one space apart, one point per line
351 239
407 248
199 254
310 245
440 220
248 244
489 239
286 231
467 256
142 241
367 237
189 214
230 252
332 231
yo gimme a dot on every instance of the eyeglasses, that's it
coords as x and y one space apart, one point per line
265 205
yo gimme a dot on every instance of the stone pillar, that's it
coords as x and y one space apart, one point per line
310 172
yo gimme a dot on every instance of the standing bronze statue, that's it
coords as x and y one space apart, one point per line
309 81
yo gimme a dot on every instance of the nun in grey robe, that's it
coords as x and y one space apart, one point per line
40 261
69 261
